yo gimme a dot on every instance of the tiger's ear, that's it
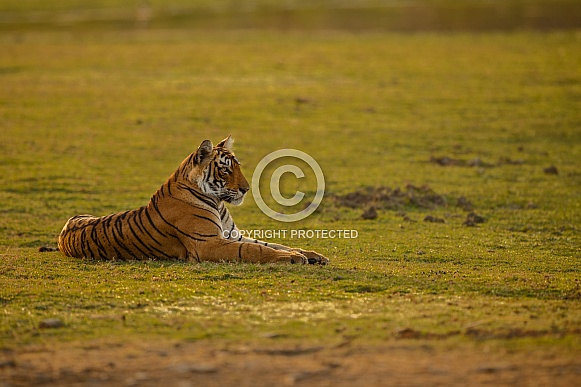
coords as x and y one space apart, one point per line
227 143
204 152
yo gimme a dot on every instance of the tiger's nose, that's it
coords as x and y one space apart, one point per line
243 190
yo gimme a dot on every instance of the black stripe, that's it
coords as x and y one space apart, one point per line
225 218
153 225
203 198
118 225
74 246
106 228
136 216
119 242
97 241
118 254
90 247
160 191
88 242
139 222
146 254
173 226
211 220
124 220
206 235
70 246
83 241
181 171
150 248
143 253
196 256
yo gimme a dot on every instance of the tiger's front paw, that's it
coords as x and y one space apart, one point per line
313 257
297 257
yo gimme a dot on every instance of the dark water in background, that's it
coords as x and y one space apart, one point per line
461 15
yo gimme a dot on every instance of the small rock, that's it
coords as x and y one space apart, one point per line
552 170
491 369
465 204
475 162
370 213
433 219
472 219
446 161
272 335
183 368
408 333
301 100
51 323
7 364
509 161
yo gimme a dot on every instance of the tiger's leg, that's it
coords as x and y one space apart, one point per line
219 249
312 256
232 233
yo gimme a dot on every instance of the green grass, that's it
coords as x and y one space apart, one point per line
95 122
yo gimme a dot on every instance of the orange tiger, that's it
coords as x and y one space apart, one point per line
185 219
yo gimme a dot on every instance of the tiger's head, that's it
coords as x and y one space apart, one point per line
217 172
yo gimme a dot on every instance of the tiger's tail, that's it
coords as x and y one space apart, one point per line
45 249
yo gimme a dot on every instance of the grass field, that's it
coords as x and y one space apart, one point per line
95 122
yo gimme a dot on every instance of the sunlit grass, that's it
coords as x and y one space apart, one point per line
95 124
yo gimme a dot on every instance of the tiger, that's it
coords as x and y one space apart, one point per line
185 219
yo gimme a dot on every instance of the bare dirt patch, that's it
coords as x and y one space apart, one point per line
447 161
397 362
387 198
372 199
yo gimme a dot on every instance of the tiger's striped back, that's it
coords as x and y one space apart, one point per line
195 190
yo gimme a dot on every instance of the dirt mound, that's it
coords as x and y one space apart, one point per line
447 161
373 199
386 198
473 219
